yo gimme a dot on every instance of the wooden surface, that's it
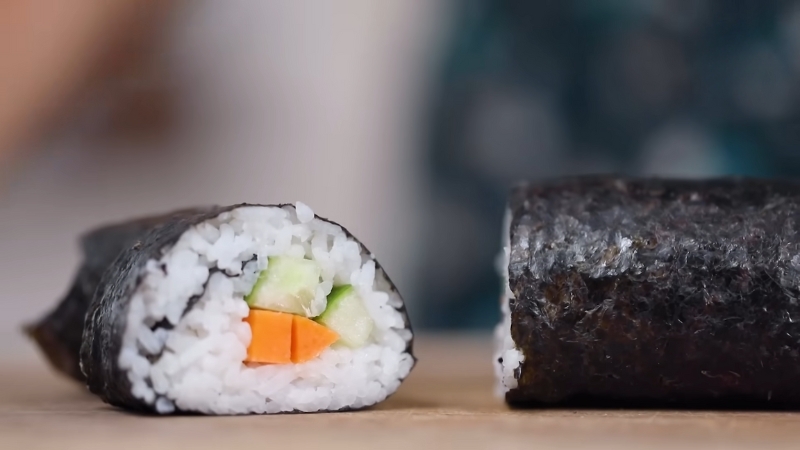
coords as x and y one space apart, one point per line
447 402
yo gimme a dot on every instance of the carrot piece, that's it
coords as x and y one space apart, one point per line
272 337
309 339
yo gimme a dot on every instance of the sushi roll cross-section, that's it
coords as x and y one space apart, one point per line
240 310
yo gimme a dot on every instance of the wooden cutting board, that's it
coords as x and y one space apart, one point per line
446 403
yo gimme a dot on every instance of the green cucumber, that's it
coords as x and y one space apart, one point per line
287 285
347 316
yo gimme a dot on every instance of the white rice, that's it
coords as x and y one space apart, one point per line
200 367
507 357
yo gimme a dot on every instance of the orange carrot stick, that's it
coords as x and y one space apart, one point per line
309 339
272 337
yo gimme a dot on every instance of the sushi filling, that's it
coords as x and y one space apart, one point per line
507 357
264 310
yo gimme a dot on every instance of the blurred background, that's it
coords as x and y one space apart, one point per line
405 120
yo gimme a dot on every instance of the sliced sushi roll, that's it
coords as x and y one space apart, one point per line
649 292
245 309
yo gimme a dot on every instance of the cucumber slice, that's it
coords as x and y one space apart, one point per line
347 316
287 285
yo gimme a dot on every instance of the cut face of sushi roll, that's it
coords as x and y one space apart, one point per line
651 292
246 309
506 354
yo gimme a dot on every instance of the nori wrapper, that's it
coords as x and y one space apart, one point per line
88 325
656 292
107 314
58 333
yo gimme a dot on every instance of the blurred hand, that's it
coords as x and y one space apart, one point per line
51 49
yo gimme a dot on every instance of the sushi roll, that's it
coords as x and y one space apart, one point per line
245 309
651 292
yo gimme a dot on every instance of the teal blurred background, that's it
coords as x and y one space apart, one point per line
537 89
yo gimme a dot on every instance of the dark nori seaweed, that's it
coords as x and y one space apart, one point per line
656 292
91 331
58 333
107 315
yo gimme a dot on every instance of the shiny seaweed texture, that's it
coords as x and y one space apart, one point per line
656 292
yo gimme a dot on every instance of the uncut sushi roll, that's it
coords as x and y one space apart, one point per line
245 309
650 292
